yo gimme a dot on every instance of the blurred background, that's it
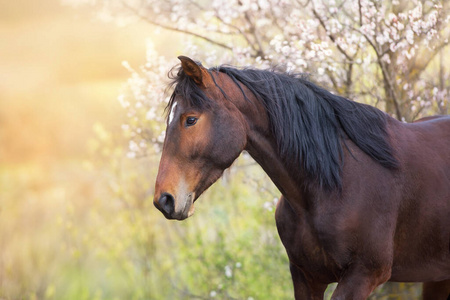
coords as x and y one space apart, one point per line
82 97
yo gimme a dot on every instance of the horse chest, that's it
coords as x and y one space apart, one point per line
317 253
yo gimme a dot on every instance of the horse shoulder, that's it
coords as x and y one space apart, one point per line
423 149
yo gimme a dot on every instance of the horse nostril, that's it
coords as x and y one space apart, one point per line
166 204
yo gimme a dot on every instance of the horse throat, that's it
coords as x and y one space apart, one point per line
264 151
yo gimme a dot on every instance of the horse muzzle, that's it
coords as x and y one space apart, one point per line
173 209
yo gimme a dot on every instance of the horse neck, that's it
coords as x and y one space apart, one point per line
263 148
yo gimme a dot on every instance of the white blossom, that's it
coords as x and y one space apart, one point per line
228 271
322 38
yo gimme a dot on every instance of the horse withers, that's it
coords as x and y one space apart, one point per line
365 198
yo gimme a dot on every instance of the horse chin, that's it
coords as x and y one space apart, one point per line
188 209
191 210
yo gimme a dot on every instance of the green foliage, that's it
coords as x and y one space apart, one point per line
90 231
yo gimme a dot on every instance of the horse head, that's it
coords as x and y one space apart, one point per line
205 134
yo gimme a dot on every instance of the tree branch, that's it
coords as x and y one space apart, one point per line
241 32
331 36
429 58
389 88
175 29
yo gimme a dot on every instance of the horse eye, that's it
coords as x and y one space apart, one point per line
191 121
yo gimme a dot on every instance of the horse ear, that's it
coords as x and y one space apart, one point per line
198 73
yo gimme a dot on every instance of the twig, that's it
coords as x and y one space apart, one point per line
144 18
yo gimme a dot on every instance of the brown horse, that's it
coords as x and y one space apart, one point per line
365 198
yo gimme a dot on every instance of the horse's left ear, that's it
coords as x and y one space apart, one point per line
198 73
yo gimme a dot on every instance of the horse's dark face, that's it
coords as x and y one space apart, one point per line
199 145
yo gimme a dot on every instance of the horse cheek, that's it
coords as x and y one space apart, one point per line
228 145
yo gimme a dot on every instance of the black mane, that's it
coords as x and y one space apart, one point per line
309 123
